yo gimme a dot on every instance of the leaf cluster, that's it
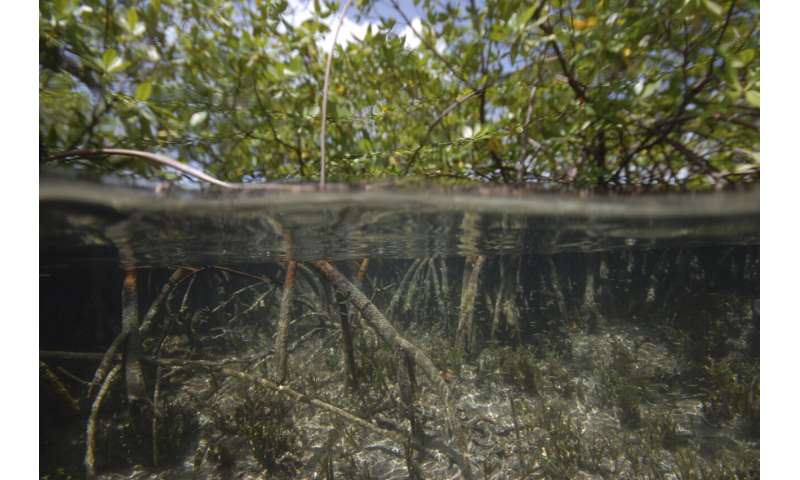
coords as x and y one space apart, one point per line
591 93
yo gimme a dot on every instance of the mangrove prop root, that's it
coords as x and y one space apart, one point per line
498 304
72 376
391 336
555 285
379 323
283 321
437 288
106 360
406 279
173 280
91 424
57 387
157 386
347 318
413 284
362 271
466 329
134 376
591 310
156 414
348 353
312 279
444 285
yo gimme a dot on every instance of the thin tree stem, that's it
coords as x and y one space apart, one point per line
325 98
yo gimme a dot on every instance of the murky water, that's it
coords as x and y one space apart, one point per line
397 334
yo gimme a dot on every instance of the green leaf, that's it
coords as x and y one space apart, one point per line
197 118
639 87
713 7
118 66
650 89
526 15
143 91
746 56
83 10
61 7
152 54
294 67
756 156
753 98
111 61
108 57
133 19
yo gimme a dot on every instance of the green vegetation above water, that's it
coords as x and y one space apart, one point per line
610 95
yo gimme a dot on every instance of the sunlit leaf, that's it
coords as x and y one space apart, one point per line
132 18
152 54
650 89
526 15
713 7
112 62
197 118
83 10
753 98
143 91
639 87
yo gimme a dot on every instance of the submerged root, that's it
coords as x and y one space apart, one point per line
391 336
403 283
466 329
58 388
177 276
91 424
283 321
134 376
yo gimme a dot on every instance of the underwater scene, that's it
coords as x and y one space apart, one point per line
397 334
